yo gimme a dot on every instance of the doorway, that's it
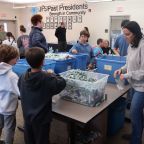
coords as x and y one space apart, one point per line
9 26
115 27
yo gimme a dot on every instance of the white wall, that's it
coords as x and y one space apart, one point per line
103 11
8 13
97 20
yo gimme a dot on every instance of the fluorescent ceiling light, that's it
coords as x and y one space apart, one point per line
19 7
98 0
38 1
23 1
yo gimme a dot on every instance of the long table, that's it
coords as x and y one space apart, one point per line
74 113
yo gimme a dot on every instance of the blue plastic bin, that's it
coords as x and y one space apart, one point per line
49 64
21 66
116 116
64 65
108 64
81 61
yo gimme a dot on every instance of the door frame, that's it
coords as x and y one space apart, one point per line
110 21
16 24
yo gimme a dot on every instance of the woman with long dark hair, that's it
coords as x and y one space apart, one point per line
133 71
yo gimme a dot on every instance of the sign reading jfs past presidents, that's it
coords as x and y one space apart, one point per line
69 14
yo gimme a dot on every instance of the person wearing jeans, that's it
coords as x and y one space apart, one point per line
137 106
9 92
8 122
133 71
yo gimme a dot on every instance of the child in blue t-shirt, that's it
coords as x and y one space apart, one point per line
97 51
82 46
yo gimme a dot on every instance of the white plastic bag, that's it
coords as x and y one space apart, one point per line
120 83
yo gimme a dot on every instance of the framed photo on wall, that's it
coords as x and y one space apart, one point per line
51 19
69 18
55 25
74 19
51 25
55 19
47 25
79 19
44 26
69 26
60 19
64 19
66 25
47 19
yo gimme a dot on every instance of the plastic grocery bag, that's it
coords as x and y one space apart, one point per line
120 83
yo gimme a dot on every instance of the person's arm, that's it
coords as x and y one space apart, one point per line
56 32
19 42
116 47
122 70
14 87
92 62
73 50
56 83
19 83
137 74
115 50
97 52
36 41
111 51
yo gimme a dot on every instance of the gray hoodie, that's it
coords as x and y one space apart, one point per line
135 66
9 91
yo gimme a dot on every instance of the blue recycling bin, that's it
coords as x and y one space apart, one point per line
108 64
116 116
81 61
21 66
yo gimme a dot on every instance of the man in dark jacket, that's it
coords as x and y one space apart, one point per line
36 37
60 33
36 89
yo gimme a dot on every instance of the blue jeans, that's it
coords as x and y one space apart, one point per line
8 122
137 119
129 97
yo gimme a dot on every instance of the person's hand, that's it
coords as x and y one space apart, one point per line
50 71
116 52
74 51
90 66
117 72
122 77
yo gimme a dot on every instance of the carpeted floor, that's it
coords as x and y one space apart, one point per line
116 139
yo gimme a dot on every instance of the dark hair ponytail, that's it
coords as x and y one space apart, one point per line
9 35
22 28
